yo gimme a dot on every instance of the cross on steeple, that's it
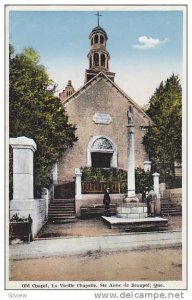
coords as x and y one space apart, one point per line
98 15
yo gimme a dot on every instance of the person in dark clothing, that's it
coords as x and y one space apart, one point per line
149 200
106 202
145 194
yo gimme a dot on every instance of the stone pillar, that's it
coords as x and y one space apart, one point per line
23 202
131 160
23 150
78 193
162 188
147 166
156 184
156 190
45 195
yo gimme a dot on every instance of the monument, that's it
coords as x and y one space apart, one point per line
132 213
131 208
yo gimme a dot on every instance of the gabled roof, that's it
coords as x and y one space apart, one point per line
96 79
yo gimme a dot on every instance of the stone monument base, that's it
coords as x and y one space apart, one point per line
142 224
131 210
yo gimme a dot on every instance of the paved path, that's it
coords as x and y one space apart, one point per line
63 246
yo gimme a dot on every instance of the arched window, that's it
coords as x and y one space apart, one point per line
101 39
96 59
96 39
102 60
101 143
90 62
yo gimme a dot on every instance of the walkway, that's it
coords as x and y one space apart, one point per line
64 246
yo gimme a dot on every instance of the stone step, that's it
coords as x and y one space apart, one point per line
64 200
61 206
170 207
171 210
56 213
171 214
62 203
62 210
62 217
71 212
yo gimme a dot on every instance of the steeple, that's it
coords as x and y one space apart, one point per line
98 55
68 91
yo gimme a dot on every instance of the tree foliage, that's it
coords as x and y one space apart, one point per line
35 112
163 140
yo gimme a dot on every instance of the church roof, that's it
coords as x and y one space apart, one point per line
99 28
106 78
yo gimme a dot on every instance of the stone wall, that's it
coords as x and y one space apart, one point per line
95 199
101 97
175 195
40 215
36 208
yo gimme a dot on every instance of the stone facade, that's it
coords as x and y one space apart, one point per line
101 95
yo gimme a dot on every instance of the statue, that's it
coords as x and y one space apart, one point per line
130 115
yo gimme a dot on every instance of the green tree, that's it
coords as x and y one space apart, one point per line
35 112
163 140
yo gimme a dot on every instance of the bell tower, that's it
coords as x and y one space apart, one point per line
98 55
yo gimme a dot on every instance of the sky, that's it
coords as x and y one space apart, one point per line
145 47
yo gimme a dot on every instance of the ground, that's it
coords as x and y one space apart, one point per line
91 227
150 264
146 264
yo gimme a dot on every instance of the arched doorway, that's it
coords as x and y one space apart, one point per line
102 152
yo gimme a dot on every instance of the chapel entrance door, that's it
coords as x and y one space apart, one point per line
64 190
101 160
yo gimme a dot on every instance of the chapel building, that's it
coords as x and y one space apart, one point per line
99 111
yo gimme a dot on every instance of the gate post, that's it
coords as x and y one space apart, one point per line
45 195
23 203
156 183
78 192
23 150
156 190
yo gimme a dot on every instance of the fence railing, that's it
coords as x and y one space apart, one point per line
99 187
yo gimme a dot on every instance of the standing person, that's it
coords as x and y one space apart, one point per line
145 194
151 200
106 202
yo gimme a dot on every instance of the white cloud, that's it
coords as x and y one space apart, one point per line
149 42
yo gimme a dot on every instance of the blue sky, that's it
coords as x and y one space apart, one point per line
145 46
